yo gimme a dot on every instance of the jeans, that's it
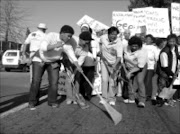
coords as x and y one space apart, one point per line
138 84
148 81
38 70
107 84
85 88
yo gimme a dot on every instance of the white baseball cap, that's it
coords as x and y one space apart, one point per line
42 26
84 25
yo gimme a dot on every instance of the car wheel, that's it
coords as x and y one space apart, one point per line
7 69
25 69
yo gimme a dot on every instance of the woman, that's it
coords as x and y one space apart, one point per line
153 55
135 67
167 66
160 43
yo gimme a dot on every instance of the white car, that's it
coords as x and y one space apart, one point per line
11 59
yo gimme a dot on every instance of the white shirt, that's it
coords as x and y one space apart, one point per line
139 58
94 45
85 58
108 50
34 39
55 54
153 55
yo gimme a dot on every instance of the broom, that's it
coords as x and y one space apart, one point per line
115 115
80 99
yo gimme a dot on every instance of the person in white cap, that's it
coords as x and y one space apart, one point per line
34 40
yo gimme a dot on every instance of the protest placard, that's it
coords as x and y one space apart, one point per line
64 83
157 22
175 18
123 21
94 24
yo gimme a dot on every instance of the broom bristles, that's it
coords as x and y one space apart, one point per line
115 115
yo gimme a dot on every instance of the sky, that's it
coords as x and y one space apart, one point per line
56 13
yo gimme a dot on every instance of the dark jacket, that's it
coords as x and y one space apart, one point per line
166 71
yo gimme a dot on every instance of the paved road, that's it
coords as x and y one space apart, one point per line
72 119
14 89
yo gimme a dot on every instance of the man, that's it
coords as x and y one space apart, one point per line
34 39
50 52
111 50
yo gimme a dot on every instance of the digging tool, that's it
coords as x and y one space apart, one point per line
115 115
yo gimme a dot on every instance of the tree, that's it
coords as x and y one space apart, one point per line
12 19
27 32
152 3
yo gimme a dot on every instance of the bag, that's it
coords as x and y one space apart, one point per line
63 83
97 85
168 92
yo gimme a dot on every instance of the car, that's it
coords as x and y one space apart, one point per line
12 59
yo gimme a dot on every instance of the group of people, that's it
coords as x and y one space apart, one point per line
134 67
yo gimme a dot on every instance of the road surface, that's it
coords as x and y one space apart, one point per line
73 119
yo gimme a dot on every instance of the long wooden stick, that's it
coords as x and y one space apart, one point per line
115 115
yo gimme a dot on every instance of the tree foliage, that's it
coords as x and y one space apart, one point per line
12 19
152 3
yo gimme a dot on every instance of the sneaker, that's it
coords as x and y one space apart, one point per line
54 105
74 102
119 95
153 101
129 101
32 107
126 101
68 102
101 102
112 103
141 104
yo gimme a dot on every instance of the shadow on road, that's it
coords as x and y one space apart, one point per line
23 98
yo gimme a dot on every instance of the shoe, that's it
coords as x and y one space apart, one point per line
119 95
129 101
126 101
153 101
141 104
68 102
54 105
101 102
74 102
112 103
32 107
160 101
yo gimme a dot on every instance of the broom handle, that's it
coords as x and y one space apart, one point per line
91 85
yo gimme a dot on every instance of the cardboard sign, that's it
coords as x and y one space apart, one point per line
63 83
94 24
97 85
157 22
175 18
123 21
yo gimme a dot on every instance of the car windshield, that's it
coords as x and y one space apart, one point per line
11 54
